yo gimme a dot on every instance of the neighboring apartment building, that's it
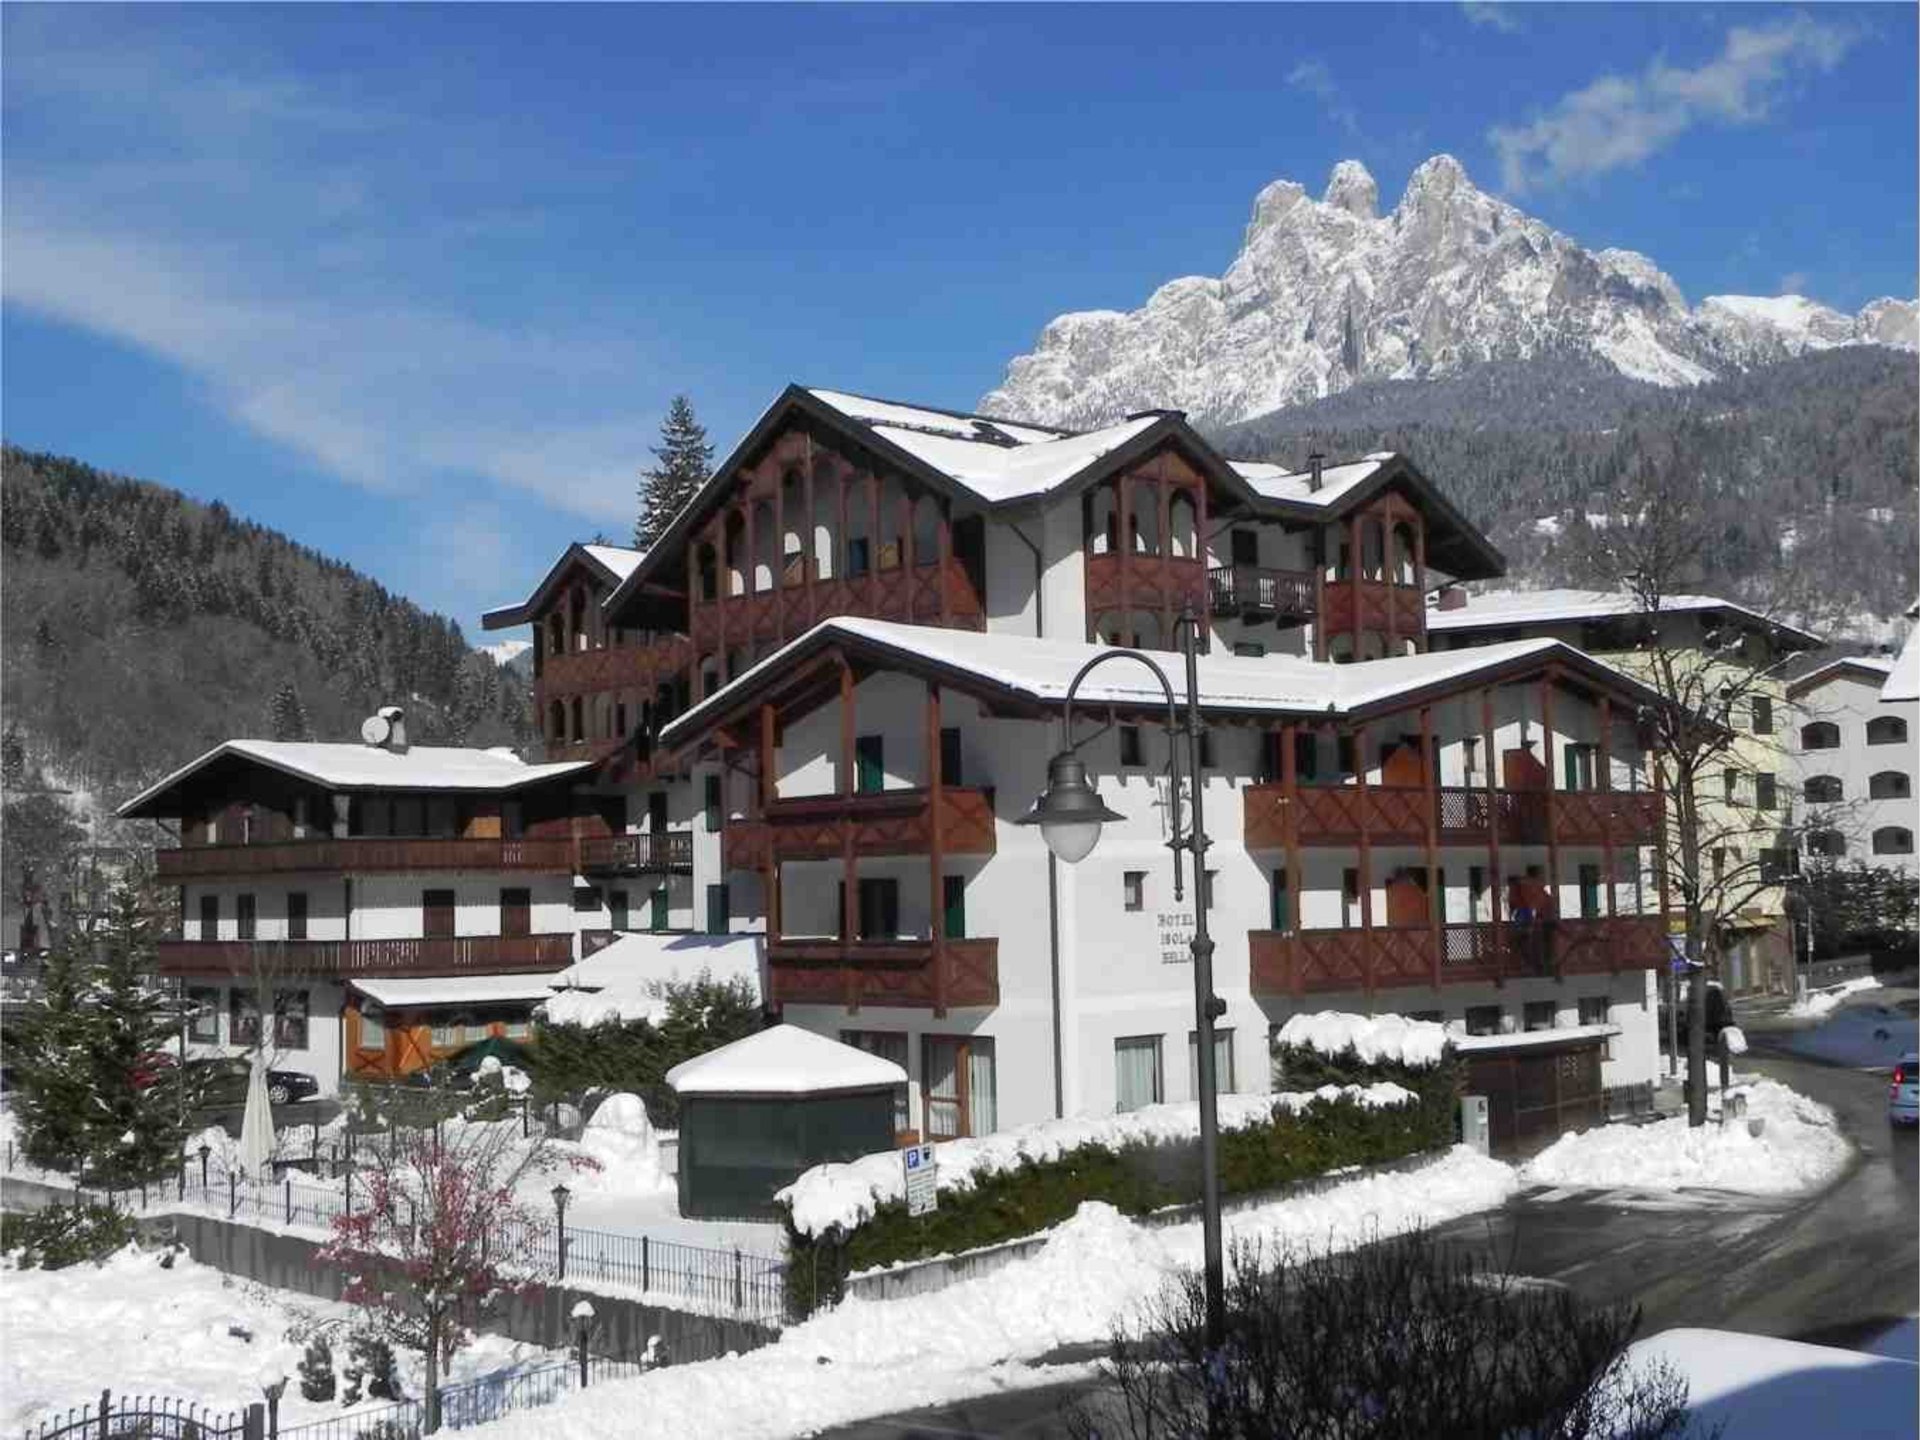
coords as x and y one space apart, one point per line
833 682
390 902
1855 763
1747 813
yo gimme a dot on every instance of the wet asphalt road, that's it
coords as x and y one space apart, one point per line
1836 1268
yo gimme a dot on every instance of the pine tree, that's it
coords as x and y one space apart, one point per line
684 460
289 716
136 1125
50 1052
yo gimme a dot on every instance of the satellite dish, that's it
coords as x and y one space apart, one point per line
375 729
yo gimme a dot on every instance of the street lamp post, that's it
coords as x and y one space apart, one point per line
1070 813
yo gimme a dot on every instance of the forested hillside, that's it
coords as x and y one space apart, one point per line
1809 465
140 627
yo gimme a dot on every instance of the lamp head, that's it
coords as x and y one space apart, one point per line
1069 811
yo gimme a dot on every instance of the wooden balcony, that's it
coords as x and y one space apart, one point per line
669 853
356 959
614 667
915 974
362 855
1309 962
881 822
1254 593
1153 583
920 594
1348 607
1397 815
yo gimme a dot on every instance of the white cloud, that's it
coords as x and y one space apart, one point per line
1620 120
1314 77
271 241
1490 13
1794 282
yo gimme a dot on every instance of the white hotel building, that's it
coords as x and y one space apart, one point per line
816 709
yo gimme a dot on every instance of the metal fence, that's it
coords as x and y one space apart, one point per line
725 1282
462 1406
150 1417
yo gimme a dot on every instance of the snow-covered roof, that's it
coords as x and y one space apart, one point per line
1502 609
411 991
1275 483
1903 681
1531 1039
370 767
622 981
1041 672
614 562
784 1060
923 417
1870 668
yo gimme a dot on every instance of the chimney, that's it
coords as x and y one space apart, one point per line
1453 598
396 719
1314 461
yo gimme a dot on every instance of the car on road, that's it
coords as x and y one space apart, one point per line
1903 1094
221 1082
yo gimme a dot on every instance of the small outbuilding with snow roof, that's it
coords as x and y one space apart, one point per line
756 1113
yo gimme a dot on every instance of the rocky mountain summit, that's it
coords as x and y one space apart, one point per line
1326 293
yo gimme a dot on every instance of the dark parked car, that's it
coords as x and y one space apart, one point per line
1719 1014
222 1083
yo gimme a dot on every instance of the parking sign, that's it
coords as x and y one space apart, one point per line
922 1196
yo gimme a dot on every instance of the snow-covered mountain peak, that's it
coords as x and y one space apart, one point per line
1351 188
1325 293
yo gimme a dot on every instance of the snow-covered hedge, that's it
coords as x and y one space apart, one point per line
847 1217
1372 1039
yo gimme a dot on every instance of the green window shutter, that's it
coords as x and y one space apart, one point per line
1572 755
953 896
718 920
870 768
1282 902
657 916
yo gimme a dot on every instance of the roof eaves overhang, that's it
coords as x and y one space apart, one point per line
506 616
1485 562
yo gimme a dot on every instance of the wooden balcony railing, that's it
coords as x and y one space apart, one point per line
615 667
1256 593
1397 815
913 973
882 822
363 855
352 959
1152 583
920 593
1348 607
670 852
1307 962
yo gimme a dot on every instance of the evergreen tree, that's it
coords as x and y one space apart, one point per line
684 460
136 1123
289 715
50 1052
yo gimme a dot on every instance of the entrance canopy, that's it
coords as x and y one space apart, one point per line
785 1060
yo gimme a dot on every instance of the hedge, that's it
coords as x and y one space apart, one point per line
1289 1147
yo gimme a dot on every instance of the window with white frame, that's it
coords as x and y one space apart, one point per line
1133 886
1137 1077
1223 1078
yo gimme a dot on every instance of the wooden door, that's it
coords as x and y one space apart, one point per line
1521 770
516 912
1407 900
1401 767
1246 547
436 914
657 812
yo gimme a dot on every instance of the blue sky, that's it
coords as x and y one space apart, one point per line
415 284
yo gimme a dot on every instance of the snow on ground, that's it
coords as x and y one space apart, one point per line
871 1357
1375 1038
1862 1032
188 1332
846 1194
1799 1148
1760 1388
1822 1002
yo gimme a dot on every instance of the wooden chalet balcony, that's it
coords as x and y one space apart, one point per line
1152 583
354 959
880 822
1397 815
917 974
1254 593
669 853
362 855
1351 606
920 594
1308 962
614 667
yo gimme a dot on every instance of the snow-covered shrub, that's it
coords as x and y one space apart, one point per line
369 1371
317 1381
843 1218
63 1235
1405 1337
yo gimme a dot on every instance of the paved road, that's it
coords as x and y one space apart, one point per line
1837 1268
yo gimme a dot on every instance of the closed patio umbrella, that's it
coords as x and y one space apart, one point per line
256 1124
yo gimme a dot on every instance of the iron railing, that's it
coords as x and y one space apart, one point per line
149 1417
